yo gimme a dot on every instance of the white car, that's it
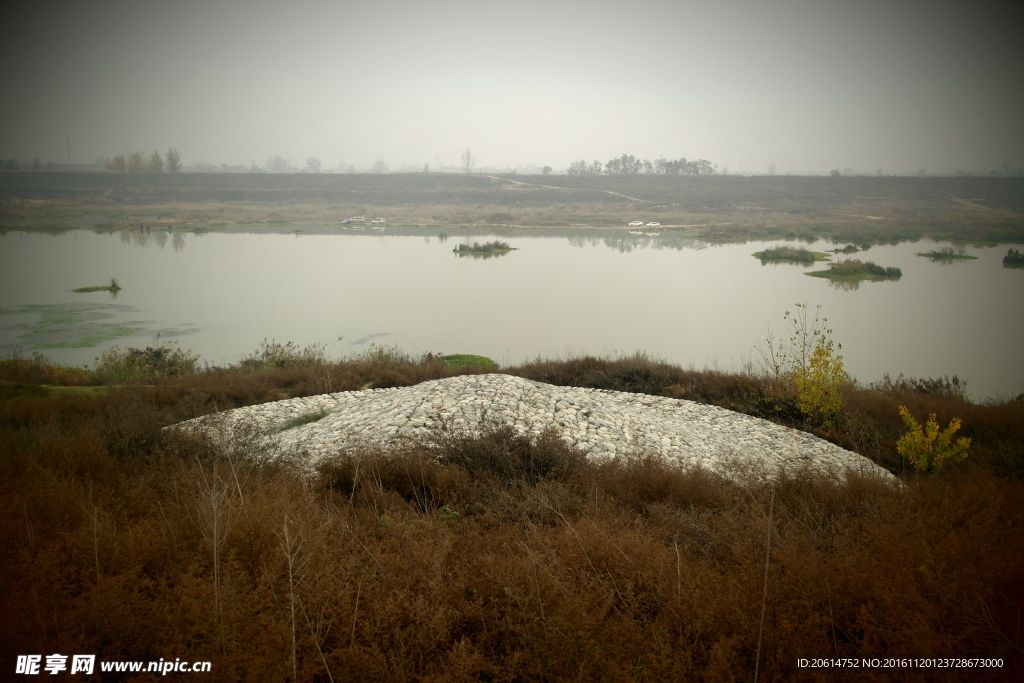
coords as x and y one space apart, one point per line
654 225
379 221
636 224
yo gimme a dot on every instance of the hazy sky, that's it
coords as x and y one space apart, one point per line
807 84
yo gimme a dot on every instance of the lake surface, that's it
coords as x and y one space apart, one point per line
561 292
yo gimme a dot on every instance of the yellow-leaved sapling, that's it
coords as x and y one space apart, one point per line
807 368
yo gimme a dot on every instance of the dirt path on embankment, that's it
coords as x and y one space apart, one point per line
556 187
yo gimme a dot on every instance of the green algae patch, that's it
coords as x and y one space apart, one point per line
71 326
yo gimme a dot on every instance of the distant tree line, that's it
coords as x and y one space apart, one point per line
628 163
138 162
279 164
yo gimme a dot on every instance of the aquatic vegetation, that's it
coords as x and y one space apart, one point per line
482 249
113 288
1013 259
75 325
855 269
947 253
789 253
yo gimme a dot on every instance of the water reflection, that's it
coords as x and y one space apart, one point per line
780 262
480 254
947 261
578 238
845 285
158 238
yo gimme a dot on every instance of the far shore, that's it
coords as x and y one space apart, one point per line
858 211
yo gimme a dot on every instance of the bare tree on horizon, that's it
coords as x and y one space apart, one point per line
468 160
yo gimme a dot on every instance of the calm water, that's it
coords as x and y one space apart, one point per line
560 293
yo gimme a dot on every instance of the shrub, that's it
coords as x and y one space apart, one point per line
858 268
40 370
806 367
927 448
161 359
274 355
943 387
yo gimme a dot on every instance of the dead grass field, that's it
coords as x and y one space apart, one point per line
494 558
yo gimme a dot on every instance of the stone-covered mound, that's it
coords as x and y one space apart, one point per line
604 423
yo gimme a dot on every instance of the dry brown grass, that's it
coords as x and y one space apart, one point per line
494 558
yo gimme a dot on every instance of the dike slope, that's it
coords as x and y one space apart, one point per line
606 424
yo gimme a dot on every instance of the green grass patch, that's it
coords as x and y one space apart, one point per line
302 420
468 360
790 253
13 391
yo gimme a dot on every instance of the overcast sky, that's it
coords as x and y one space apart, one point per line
807 84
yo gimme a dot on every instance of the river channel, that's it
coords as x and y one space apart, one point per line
560 293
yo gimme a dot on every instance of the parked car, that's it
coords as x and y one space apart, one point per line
357 219
381 221
654 225
636 224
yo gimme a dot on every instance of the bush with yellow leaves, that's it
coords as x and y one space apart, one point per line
807 368
927 448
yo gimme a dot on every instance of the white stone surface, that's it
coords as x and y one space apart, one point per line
605 423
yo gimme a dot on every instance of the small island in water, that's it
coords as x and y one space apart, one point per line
113 288
485 250
855 269
1013 259
792 254
948 254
